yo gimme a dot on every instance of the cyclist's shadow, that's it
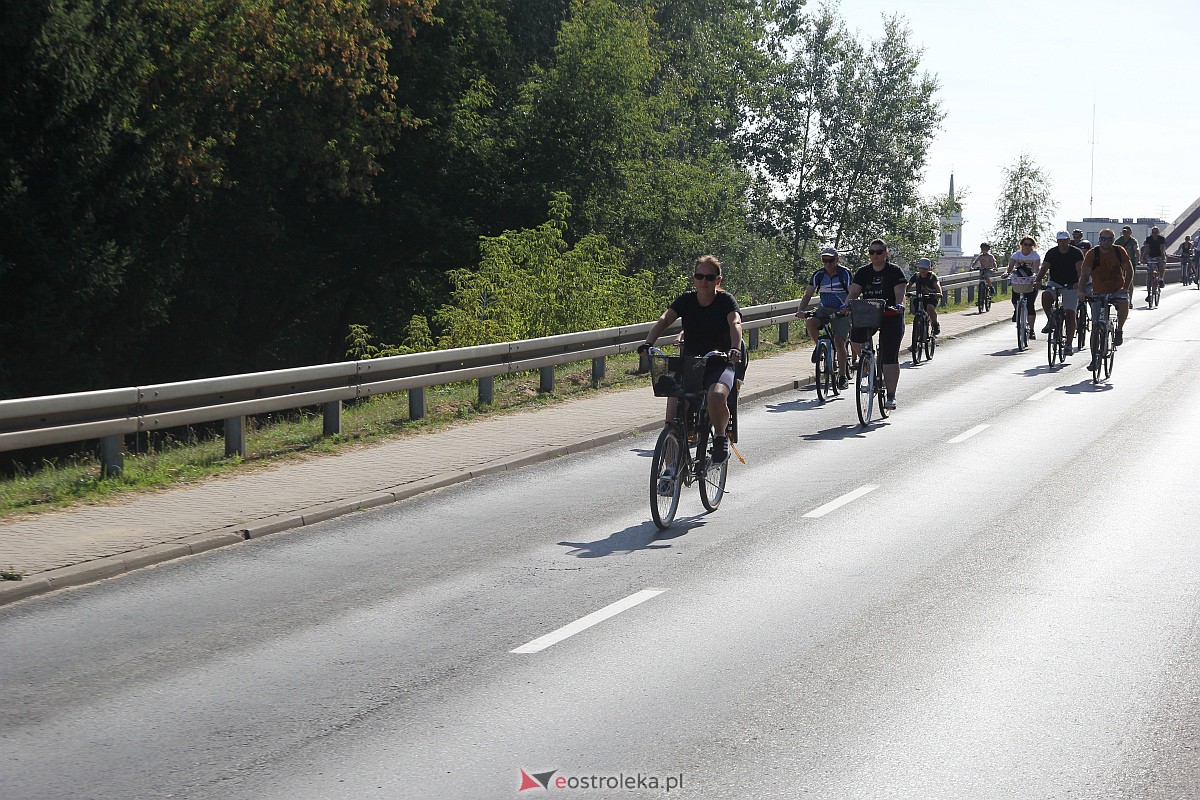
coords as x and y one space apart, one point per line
794 405
1086 386
634 538
840 432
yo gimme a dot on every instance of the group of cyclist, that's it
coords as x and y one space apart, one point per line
711 316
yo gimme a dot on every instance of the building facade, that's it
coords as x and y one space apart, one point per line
1091 226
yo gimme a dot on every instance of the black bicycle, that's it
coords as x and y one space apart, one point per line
924 341
983 297
870 391
1106 349
682 454
828 377
1153 282
1083 322
1056 342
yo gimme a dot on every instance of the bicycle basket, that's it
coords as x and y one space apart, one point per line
866 313
664 375
691 374
1021 285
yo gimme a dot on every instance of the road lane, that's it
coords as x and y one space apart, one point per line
920 640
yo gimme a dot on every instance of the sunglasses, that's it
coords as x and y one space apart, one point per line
1106 238
1026 242
877 252
827 259
700 276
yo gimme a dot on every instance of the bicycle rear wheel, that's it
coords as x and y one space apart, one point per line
930 344
1054 342
1102 346
711 476
1082 326
880 391
1109 354
666 475
822 369
864 387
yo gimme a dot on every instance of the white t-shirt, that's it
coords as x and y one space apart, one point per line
1026 264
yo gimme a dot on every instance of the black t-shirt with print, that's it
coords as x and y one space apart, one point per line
705 328
880 285
1064 267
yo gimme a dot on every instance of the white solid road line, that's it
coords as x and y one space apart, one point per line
583 623
962 437
841 501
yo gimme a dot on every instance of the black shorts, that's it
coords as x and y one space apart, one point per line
891 334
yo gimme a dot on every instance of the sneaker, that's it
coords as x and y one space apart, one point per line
1032 335
666 483
890 404
1047 328
843 382
720 450
1068 351
1117 338
816 356
937 328
1092 366
1014 317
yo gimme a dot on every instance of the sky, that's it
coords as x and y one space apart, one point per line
1022 76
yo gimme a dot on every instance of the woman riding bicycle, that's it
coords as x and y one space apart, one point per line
883 281
712 320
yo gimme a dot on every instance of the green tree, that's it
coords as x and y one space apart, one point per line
1025 207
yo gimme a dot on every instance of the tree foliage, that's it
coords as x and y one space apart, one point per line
198 187
1025 207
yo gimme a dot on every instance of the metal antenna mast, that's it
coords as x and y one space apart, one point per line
1092 179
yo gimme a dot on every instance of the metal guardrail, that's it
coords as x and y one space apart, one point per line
112 414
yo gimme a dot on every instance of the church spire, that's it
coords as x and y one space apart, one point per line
951 185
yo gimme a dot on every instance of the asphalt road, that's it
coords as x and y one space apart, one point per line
1005 605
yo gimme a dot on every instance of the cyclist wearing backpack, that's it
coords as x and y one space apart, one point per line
1154 251
832 284
1107 267
1062 264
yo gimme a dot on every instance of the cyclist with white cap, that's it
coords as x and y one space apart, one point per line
1062 263
832 284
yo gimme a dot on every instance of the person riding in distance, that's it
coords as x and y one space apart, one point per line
712 320
832 283
928 290
1025 263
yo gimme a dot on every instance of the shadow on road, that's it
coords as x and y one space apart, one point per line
645 536
854 431
1086 386
793 405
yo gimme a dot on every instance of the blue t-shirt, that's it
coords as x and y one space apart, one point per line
832 288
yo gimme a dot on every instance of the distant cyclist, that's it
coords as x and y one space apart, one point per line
1062 263
1154 251
832 284
1130 244
928 289
1187 251
883 281
985 262
1110 270
1025 262
1077 238
712 320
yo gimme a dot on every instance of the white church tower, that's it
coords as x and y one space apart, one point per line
951 243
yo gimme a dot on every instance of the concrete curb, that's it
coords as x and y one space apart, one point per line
113 566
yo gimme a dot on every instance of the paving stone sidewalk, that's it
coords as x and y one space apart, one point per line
80 545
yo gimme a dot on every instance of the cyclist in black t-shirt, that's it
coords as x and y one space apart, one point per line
1154 250
929 291
885 282
1062 263
712 320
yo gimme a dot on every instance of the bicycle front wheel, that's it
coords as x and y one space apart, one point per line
1082 326
1054 346
666 475
918 340
1101 358
864 387
711 476
1022 325
980 297
1110 353
822 370
930 344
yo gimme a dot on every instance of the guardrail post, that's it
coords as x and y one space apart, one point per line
754 338
416 403
333 418
946 297
598 365
783 333
235 436
112 456
970 295
546 386
487 391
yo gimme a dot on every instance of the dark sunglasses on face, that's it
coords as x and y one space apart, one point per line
877 252
700 276
1106 238
828 259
